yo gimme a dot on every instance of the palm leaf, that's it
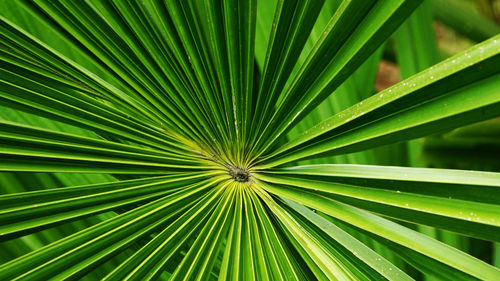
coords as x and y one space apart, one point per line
161 141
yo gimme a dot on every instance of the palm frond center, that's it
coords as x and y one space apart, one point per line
239 174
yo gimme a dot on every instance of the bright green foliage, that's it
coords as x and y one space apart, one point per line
224 140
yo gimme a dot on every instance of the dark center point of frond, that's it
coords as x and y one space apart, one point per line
239 174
